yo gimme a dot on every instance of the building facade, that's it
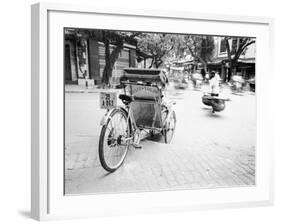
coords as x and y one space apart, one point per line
84 59
245 66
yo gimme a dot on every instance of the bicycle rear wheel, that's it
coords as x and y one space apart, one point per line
113 142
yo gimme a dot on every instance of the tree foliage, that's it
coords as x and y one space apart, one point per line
200 47
156 47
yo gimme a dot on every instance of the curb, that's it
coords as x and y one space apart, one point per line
80 91
90 90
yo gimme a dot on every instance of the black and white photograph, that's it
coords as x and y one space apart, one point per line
151 111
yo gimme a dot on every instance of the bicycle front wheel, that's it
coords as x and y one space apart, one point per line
113 142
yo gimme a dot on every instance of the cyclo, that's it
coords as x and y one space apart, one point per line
144 111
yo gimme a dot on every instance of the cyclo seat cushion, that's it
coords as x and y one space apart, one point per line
125 99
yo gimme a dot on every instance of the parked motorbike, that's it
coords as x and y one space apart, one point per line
237 83
197 80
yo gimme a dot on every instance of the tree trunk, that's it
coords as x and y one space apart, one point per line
234 70
204 65
110 59
228 73
228 70
225 79
205 71
106 70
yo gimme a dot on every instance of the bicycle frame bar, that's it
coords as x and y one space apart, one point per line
132 119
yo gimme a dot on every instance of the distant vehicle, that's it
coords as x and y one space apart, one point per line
237 83
182 83
197 80
252 84
180 78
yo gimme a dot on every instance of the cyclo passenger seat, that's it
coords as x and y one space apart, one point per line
143 88
136 79
146 76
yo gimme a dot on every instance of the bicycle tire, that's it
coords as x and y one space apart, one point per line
167 138
105 164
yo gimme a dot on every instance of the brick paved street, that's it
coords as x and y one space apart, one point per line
208 150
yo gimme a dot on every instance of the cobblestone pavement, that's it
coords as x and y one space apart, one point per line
208 150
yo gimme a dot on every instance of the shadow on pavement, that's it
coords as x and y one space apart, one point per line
156 138
214 115
207 108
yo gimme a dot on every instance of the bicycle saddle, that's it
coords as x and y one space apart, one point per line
125 99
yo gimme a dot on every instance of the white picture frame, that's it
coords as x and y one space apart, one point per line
48 201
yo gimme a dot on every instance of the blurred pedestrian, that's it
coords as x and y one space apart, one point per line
214 83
